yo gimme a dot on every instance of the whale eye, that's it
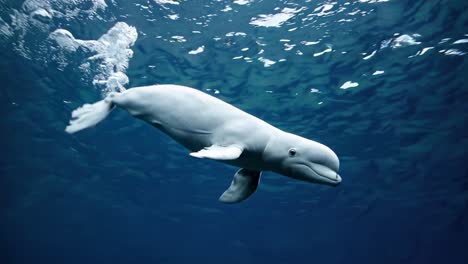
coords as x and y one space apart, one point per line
292 152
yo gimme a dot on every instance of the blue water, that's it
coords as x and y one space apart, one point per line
383 83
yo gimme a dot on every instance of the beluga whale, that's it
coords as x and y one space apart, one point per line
213 129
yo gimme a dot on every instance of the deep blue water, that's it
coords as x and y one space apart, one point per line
383 83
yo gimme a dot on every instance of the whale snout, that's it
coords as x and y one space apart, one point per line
330 181
337 180
315 173
325 175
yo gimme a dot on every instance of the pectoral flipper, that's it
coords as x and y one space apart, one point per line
243 185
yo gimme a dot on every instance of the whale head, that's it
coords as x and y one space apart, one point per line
302 159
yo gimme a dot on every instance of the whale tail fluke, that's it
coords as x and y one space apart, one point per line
89 115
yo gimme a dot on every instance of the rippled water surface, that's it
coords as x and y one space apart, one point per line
382 82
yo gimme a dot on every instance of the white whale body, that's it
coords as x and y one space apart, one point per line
211 128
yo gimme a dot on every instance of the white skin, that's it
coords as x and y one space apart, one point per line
197 120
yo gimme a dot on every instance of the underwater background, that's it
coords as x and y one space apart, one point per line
381 82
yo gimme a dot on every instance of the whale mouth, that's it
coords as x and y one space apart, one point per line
321 174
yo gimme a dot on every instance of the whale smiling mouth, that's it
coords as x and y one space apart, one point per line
319 174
